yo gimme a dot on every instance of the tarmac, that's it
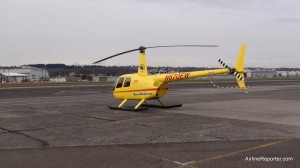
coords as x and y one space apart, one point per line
72 127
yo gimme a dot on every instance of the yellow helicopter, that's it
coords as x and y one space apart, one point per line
143 87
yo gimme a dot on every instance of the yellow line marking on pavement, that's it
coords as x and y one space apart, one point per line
237 152
152 156
183 164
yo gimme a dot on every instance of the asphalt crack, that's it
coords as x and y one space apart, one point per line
43 143
219 137
153 139
144 125
98 118
55 126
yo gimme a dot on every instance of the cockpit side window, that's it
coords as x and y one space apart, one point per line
120 82
127 82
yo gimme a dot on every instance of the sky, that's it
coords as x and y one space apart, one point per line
80 32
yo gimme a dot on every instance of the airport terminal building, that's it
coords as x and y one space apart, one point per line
23 74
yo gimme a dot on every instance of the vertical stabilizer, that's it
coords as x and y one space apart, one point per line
239 67
142 67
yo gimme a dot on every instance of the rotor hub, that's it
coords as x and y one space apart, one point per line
142 49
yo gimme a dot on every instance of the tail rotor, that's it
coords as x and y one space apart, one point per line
238 71
232 70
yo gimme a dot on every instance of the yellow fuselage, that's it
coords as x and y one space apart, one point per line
137 87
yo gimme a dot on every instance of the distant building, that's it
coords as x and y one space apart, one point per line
13 77
65 79
288 73
248 73
112 78
58 79
293 74
23 74
73 79
282 73
100 78
263 73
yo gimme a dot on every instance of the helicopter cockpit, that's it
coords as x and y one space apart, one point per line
122 82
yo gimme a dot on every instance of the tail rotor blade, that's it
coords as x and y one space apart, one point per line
234 72
223 64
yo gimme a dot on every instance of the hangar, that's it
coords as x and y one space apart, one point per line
23 73
13 77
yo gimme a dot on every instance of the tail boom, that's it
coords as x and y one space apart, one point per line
188 75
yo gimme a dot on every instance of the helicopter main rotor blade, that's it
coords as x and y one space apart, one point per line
141 49
116 55
183 46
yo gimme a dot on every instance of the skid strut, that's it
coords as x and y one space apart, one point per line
136 108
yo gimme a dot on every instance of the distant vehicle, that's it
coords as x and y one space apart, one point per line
143 87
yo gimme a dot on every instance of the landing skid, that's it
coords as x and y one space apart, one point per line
160 106
127 108
142 105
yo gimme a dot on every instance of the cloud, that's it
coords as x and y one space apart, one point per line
253 5
286 20
84 31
